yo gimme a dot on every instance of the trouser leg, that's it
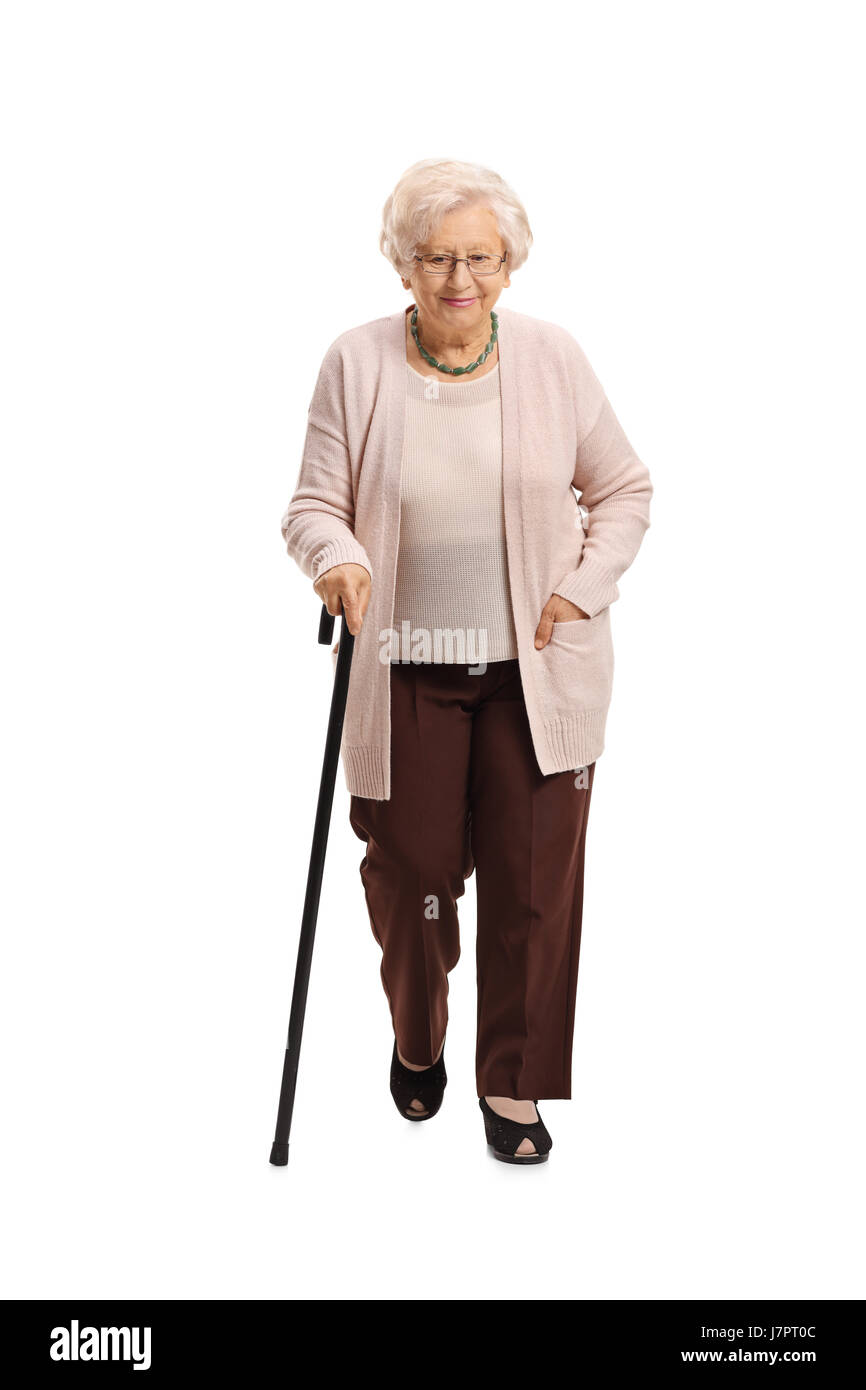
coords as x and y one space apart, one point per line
528 842
418 854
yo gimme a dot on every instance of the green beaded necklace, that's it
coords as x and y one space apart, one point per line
456 371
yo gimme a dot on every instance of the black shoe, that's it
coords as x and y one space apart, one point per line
426 1086
504 1137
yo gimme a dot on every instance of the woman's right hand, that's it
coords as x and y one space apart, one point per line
349 584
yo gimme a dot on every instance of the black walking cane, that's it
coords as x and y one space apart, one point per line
280 1147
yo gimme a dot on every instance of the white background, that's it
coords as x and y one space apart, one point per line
192 196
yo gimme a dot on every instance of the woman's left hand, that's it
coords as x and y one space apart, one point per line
556 610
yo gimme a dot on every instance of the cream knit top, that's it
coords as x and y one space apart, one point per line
452 574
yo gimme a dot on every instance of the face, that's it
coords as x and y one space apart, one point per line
459 304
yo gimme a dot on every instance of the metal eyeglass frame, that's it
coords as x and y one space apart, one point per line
455 261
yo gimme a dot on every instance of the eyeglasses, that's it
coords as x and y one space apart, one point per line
435 263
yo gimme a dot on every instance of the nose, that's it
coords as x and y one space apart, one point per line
460 279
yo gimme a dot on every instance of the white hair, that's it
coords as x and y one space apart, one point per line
429 190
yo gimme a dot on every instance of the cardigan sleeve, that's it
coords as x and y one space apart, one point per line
318 524
615 488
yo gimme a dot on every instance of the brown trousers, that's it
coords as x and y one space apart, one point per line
467 793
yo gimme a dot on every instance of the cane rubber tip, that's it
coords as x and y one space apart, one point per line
279 1154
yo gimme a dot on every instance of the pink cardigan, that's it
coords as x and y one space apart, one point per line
559 433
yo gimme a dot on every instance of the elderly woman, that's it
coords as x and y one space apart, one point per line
436 507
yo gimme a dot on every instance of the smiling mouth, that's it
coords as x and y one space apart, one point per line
470 299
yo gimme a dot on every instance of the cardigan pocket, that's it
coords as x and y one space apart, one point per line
578 666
